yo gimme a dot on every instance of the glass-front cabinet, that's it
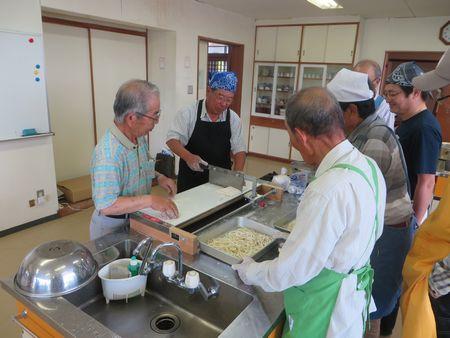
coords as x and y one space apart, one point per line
318 75
273 85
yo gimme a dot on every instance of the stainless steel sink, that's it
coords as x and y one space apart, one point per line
166 310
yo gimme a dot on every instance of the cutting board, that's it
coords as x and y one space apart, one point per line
196 201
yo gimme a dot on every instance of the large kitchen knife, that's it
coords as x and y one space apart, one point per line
226 178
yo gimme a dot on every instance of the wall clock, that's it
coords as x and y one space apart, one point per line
444 33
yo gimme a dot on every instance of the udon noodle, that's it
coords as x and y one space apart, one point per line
240 242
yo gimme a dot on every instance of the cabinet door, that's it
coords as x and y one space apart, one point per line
278 143
259 136
340 43
288 44
314 42
295 155
265 43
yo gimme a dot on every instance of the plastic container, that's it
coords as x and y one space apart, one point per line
134 266
282 180
121 288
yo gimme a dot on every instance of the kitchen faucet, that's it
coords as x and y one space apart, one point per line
150 263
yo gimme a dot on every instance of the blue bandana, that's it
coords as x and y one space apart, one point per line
223 80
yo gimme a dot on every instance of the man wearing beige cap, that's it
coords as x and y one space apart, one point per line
373 137
427 267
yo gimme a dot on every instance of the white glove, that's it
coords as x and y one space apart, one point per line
194 163
242 269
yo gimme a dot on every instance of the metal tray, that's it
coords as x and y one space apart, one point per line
283 221
217 229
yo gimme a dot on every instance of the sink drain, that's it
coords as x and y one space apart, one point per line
165 323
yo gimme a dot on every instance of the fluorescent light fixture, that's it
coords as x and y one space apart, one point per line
325 4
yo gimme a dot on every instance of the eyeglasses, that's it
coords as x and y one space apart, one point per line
224 99
391 94
155 116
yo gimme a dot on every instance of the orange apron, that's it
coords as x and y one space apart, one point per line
431 244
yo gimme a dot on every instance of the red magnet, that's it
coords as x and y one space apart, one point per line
30 40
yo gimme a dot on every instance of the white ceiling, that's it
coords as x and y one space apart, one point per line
287 9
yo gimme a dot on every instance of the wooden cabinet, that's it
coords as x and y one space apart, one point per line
314 43
259 138
340 43
269 141
273 85
329 43
266 38
278 43
32 325
288 44
278 144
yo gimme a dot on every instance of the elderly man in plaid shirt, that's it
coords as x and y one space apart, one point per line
370 135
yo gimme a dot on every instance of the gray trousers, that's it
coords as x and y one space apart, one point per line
102 225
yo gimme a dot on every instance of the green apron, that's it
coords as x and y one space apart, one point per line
309 307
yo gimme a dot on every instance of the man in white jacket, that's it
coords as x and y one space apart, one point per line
323 268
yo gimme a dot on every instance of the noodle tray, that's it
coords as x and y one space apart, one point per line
230 239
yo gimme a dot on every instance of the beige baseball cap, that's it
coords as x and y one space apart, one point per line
438 78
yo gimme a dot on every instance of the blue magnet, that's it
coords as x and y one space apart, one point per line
37 79
38 66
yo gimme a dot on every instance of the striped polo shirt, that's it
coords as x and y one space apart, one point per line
120 168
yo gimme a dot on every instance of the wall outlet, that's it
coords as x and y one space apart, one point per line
32 203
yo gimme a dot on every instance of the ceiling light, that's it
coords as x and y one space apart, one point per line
325 4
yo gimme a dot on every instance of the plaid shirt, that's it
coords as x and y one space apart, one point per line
374 139
440 278
120 168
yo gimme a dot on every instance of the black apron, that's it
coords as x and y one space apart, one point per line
210 141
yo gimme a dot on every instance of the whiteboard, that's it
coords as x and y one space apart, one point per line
23 96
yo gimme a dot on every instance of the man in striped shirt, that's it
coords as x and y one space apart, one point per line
121 168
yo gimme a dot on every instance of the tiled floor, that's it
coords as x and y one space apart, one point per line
75 227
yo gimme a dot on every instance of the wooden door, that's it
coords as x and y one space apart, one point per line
288 44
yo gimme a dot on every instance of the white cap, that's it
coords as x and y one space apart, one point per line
350 86
438 78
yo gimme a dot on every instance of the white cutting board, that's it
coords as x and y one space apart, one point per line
198 200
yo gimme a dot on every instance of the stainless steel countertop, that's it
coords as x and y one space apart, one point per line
254 321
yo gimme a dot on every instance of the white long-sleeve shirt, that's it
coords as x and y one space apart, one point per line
183 126
333 227
384 113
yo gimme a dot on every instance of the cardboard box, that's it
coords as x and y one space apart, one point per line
76 189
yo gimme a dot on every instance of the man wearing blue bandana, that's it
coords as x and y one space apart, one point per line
208 132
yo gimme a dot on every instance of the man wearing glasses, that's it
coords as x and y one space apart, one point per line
121 168
373 71
426 297
420 136
208 132
419 133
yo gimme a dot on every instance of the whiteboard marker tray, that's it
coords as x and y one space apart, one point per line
221 227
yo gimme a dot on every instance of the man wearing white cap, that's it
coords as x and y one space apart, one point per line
367 132
426 272
373 71
323 267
